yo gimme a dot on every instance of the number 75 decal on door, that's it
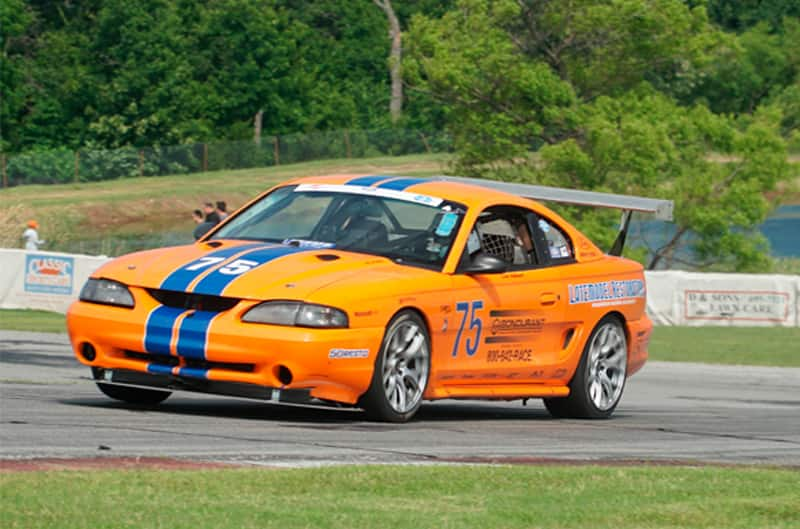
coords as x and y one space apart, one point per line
475 326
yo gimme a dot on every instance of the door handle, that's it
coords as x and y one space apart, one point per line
548 298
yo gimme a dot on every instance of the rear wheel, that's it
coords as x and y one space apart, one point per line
597 386
131 395
401 370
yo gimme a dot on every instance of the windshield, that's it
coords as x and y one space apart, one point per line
406 227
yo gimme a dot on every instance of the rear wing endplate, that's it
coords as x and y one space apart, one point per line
660 208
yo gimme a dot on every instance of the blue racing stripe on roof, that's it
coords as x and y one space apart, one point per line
192 334
367 180
400 184
215 282
181 278
158 329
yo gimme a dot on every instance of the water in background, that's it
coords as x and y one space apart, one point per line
782 230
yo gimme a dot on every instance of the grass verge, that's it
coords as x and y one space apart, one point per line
32 320
390 496
765 346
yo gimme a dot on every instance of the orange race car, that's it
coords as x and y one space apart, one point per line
378 292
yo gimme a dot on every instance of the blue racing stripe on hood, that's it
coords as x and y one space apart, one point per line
158 329
367 180
192 334
181 278
400 184
215 282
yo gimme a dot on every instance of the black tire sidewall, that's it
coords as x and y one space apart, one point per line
139 396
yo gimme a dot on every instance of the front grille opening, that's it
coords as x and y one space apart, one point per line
166 360
186 300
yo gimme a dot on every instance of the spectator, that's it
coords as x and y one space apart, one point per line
31 236
202 225
211 213
222 210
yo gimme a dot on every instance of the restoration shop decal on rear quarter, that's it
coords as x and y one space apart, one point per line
607 293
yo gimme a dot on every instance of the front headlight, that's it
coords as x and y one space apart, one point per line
107 292
296 313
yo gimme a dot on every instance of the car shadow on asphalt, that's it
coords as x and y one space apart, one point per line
430 412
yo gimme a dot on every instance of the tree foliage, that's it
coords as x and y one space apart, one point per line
694 100
609 91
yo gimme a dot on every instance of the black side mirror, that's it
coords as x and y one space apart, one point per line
482 263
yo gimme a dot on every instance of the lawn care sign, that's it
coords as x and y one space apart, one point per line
684 298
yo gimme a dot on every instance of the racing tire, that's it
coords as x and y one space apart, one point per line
596 388
401 372
147 397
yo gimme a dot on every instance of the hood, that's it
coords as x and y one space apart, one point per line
246 270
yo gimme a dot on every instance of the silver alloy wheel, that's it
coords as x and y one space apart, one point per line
405 366
608 360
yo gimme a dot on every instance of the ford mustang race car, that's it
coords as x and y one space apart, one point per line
377 292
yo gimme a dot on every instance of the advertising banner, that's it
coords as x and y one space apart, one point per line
744 300
43 280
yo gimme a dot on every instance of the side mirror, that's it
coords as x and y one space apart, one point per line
483 263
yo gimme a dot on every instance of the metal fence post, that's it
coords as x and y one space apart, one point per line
348 149
277 150
77 166
5 173
141 163
205 157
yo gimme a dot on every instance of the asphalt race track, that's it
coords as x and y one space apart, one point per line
670 412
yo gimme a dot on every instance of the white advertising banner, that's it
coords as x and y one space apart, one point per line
744 300
43 280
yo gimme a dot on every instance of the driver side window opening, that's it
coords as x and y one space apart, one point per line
503 232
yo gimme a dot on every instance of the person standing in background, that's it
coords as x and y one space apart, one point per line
222 210
31 236
211 213
202 226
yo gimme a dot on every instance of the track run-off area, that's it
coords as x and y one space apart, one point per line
670 412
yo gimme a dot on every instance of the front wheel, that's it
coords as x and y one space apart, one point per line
401 370
597 386
148 397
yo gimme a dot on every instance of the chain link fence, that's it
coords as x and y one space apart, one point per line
61 166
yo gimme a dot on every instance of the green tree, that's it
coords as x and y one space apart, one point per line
749 68
504 98
738 15
498 103
15 21
644 143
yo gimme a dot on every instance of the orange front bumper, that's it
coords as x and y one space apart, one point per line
333 364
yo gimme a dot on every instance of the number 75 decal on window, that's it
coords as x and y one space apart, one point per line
475 326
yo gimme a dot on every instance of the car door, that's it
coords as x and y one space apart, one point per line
507 327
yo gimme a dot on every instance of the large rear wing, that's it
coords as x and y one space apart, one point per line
660 208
